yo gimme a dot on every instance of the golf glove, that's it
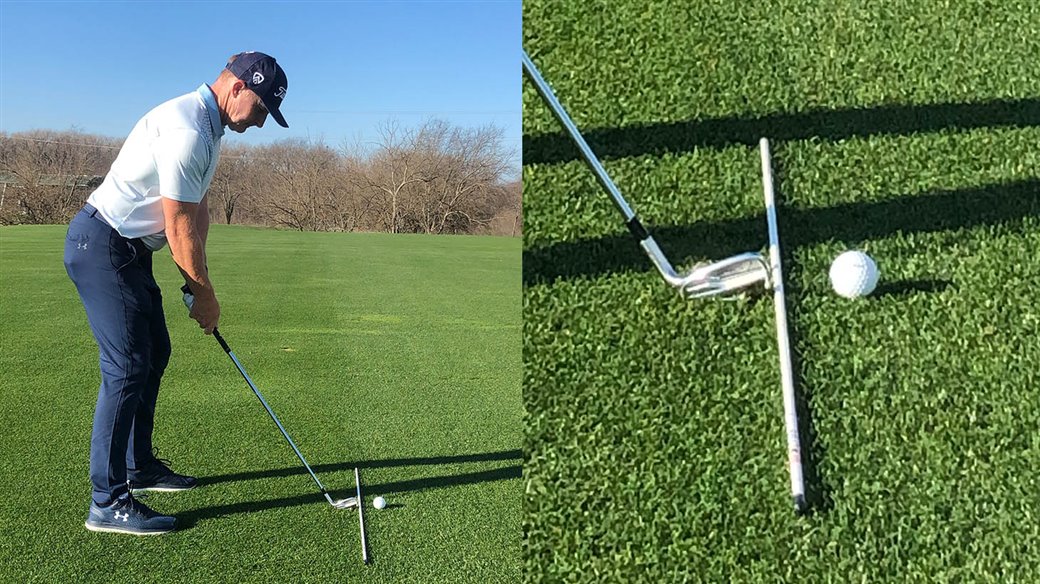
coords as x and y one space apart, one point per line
189 298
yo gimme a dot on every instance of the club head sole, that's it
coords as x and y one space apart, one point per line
348 503
728 277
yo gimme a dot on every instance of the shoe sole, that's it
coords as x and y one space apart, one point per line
105 529
163 489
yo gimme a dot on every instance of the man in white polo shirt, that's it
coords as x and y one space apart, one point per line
154 194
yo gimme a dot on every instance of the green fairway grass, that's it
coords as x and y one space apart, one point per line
654 443
400 355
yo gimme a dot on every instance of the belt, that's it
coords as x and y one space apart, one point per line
92 212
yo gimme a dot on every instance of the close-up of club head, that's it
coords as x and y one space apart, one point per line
348 503
727 278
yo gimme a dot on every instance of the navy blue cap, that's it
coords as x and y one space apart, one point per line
265 77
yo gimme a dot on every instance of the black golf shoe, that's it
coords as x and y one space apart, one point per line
157 476
128 515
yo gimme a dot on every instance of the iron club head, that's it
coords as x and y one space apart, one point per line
727 277
348 503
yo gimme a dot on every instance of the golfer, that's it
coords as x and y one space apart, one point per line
154 194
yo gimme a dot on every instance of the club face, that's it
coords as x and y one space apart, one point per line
727 278
348 503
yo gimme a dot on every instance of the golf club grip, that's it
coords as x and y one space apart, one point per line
220 339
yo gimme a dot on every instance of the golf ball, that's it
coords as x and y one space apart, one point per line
379 502
854 274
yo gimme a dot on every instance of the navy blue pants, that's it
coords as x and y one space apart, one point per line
113 276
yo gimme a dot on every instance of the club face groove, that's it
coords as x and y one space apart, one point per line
348 503
727 278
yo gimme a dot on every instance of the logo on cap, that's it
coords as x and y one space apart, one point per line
258 78
280 94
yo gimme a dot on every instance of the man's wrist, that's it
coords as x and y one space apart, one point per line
201 289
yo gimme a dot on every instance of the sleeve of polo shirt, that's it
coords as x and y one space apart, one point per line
182 158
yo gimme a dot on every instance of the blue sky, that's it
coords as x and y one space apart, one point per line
99 66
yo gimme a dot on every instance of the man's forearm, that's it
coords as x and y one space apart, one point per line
188 246
190 257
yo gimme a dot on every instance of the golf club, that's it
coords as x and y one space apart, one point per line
783 340
189 301
722 278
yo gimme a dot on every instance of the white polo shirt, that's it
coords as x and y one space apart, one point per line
172 152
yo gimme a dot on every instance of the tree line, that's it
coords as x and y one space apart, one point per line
435 178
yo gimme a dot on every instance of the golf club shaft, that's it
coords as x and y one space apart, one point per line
644 238
270 412
361 515
794 448
586 152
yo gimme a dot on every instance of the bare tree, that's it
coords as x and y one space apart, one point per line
300 183
396 166
473 169
229 181
354 204
508 204
463 170
516 205
435 178
49 174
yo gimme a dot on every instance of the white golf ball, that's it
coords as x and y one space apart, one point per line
854 274
379 502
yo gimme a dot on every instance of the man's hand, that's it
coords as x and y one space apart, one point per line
206 311
204 315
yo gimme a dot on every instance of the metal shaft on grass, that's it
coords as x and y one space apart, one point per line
631 221
361 515
586 152
794 448
341 504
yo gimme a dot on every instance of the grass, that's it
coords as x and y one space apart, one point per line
396 354
654 443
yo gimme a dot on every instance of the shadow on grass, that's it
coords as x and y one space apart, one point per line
385 463
908 287
997 204
827 124
188 519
